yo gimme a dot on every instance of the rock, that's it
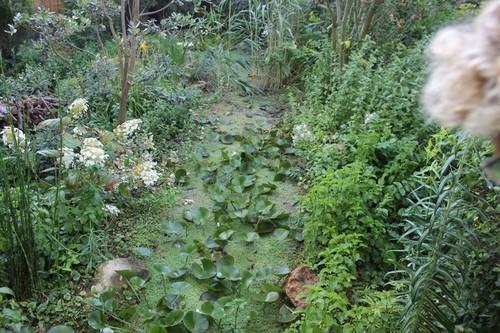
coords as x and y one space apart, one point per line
107 275
296 285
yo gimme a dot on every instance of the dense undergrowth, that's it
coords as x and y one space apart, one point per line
396 218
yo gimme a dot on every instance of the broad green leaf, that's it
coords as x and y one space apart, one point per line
252 237
172 228
272 296
286 314
178 273
61 329
173 318
142 251
195 322
156 328
280 234
96 320
206 270
207 308
227 139
6 291
226 235
49 153
282 270
179 288
197 215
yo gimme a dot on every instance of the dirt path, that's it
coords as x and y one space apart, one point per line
269 253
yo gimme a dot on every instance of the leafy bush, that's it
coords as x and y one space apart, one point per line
168 123
445 247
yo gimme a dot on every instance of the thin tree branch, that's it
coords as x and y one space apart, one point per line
157 10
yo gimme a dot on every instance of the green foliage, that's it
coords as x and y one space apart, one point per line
18 215
443 242
345 201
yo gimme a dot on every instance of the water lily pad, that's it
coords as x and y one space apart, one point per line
286 314
206 270
142 251
280 234
252 237
195 322
271 297
61 329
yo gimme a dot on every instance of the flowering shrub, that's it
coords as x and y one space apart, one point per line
301 133
13 138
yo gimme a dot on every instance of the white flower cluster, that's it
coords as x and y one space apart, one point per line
301 133
127 129
13 137
92 153
112 209
78 108
147 173
69 157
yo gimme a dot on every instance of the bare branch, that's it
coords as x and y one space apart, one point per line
158 10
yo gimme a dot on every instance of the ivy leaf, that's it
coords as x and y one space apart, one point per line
195 322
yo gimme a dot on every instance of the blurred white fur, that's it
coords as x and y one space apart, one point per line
463 88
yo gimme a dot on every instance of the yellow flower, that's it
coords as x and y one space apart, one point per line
144 48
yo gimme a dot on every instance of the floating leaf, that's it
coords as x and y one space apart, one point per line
170 301
207 308
252 237
61 329
206 270
226 234
282 270
227 139
195 322
286 314
142 251
172 228
179 288
178 273
272 296
241 213
96 320
280 234
156 329
174 318
197 215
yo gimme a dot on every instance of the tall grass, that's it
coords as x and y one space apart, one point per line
17 219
